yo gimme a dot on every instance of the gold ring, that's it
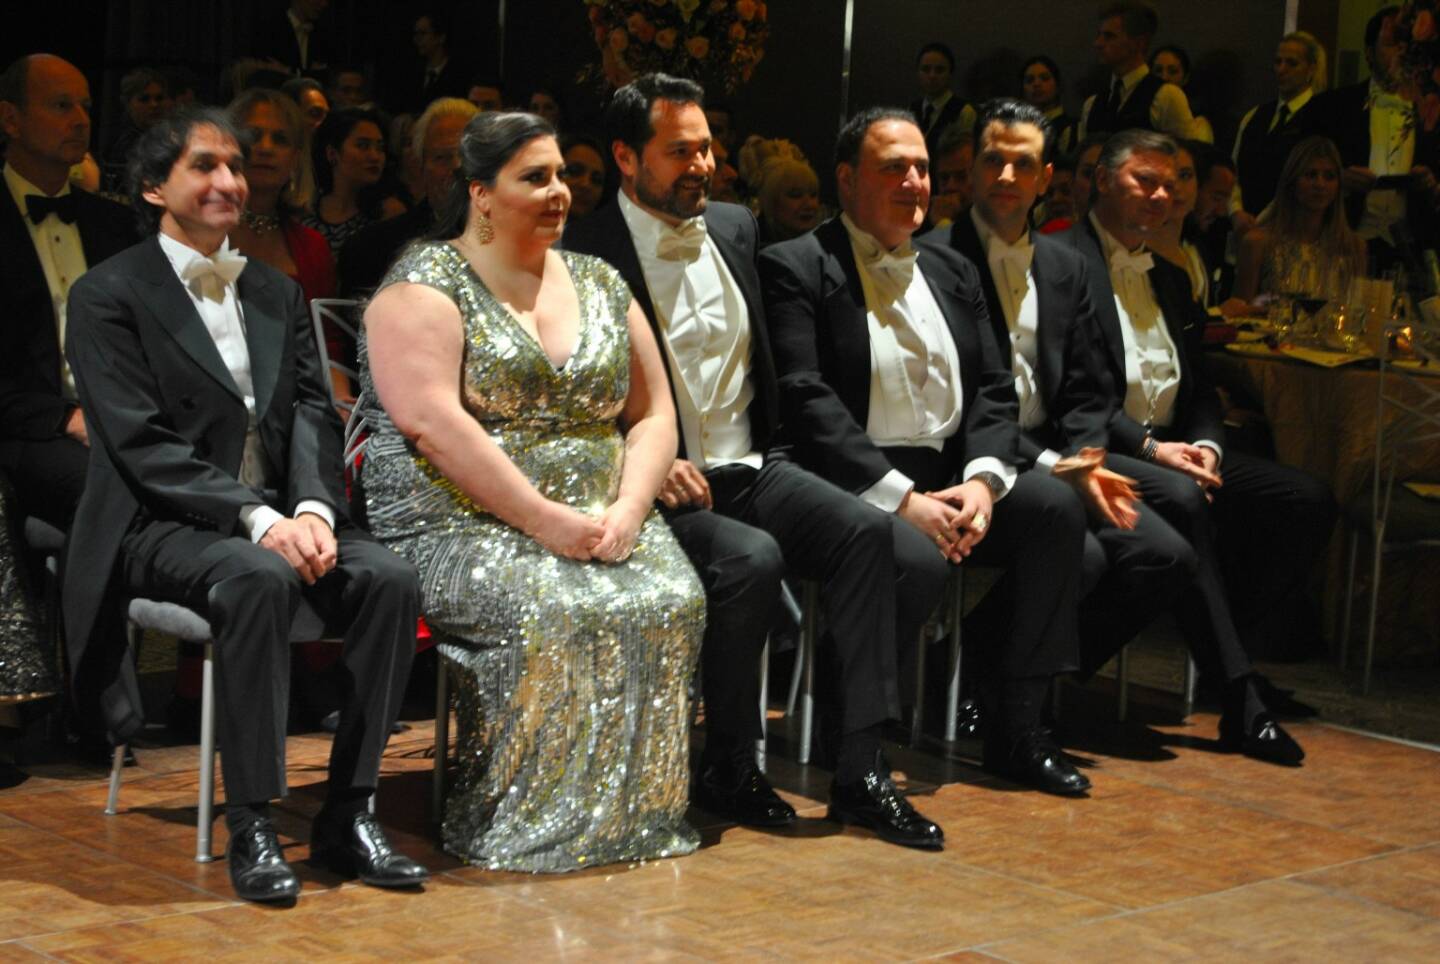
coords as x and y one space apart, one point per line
981 522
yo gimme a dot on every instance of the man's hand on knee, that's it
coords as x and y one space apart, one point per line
305 542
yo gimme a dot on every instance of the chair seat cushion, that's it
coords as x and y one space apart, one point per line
184 623
42 536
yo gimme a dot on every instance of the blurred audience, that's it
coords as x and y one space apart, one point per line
145 99
584 173
789 196
1040 82
1172 64
349 158
310 97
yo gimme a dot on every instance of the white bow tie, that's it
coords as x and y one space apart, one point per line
683 243
224 266
896 267
1139 262
1020 254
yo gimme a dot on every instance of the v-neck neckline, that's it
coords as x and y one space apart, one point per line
532 339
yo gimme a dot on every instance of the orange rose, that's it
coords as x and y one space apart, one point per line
619 40
698 47
1424 28
762 11
737 31
1429 111
595 15
665 39
745 9
640 28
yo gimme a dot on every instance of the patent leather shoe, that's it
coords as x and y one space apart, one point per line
1264 739
970 719
356 845
874 802
1034 759
737 790
258 870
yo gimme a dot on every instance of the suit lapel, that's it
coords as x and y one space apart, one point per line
967 242
166 298
1089 244
22 268
843 297
265 334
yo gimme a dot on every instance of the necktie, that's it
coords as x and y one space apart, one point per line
38 207
430 77
1282 116
209 276
927 114
1116 90
683 243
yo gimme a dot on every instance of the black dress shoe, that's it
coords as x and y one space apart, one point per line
1282 702
970 719
736 789
357 846
1036 760
258 870
873 801
1264 740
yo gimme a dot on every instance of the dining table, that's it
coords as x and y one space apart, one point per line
1322 409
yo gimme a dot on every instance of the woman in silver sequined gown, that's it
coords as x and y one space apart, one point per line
26 667
568 615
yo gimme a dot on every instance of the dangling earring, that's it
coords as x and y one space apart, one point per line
484 230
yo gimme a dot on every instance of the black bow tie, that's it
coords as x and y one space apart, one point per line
38 207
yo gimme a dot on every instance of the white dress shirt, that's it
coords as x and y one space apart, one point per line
1152 362
62 258
705 330
218 306
915 390
1012 270
1169 111
1392 151
301 29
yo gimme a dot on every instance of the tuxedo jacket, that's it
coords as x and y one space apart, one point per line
31 404
1197 408
274 39
820 328
167 422
1074 388
1343 115
733 229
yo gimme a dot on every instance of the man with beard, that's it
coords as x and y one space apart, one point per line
744 512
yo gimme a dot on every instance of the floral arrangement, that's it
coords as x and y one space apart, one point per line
716 42
1417 30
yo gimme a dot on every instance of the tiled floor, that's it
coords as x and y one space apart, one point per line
1179 853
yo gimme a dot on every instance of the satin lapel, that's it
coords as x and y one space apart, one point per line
162 294
1104 306
23 273
844 314
265 334
967 242
621 253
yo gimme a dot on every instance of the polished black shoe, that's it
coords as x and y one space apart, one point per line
970 720
358 847
873 801
1264 740
737 790
258 870
1036 760
1282 702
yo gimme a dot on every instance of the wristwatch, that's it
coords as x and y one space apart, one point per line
991 480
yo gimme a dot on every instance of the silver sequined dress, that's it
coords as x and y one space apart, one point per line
571 677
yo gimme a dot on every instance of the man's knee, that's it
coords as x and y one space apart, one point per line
256 579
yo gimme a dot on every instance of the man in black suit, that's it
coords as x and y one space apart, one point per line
365 258
1038 300
892 388
50 232
215 481
1267 523
439 74
938 109
1404 207
744 512
293 37
1135 97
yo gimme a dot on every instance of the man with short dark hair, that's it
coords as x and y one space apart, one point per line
744 512
954 158
1262 524
347 87
938 109
893 388
50 233
486 92
1136 98
216 482
440 74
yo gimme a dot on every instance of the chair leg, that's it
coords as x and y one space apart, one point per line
809 645
764 703
1122 687
956 614
442 739
1348 609
1192 672
206 816
917 714
117 767
1374 612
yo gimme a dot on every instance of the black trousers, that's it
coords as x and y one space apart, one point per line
48 476
784 519
1254 546
250 595
1027 624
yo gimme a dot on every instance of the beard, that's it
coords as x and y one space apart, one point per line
668 199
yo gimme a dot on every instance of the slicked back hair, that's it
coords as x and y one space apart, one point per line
627 118
1007 112
853 131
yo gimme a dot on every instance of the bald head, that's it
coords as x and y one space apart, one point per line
45 112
